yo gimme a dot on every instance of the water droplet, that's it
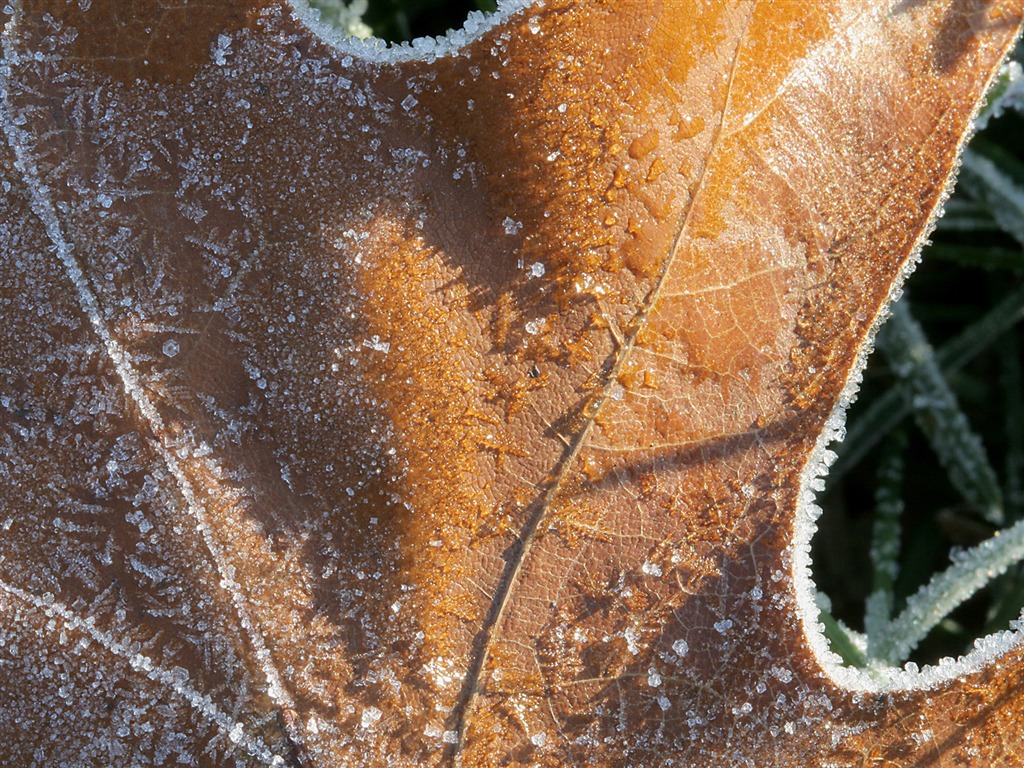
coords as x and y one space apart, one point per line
644 145
657 168
689 127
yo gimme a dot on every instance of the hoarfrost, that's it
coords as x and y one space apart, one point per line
171 348
649 568
348 17
421 49
370 717
377 345
632 635
221 50
444 672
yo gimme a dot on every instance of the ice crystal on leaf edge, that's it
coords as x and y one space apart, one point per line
378 51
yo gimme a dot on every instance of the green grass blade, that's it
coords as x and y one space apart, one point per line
938 414
890 408
842 641
1007 92
885 539
345 16
995 178
970 571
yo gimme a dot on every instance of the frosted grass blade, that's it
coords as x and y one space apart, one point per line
887 410
938 414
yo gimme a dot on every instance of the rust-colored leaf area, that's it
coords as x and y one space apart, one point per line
454 406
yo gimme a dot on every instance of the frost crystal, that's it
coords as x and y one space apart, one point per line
171 348
651 569
377 345
631 636
370 717
221 50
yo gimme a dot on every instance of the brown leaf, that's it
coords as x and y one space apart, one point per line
458 405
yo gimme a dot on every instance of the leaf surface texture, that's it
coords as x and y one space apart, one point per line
457 405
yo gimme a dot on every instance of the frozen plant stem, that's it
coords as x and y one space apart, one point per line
969 572
938 414
887 410
885 540
997 190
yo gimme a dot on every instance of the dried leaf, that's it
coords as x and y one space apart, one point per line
458 405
